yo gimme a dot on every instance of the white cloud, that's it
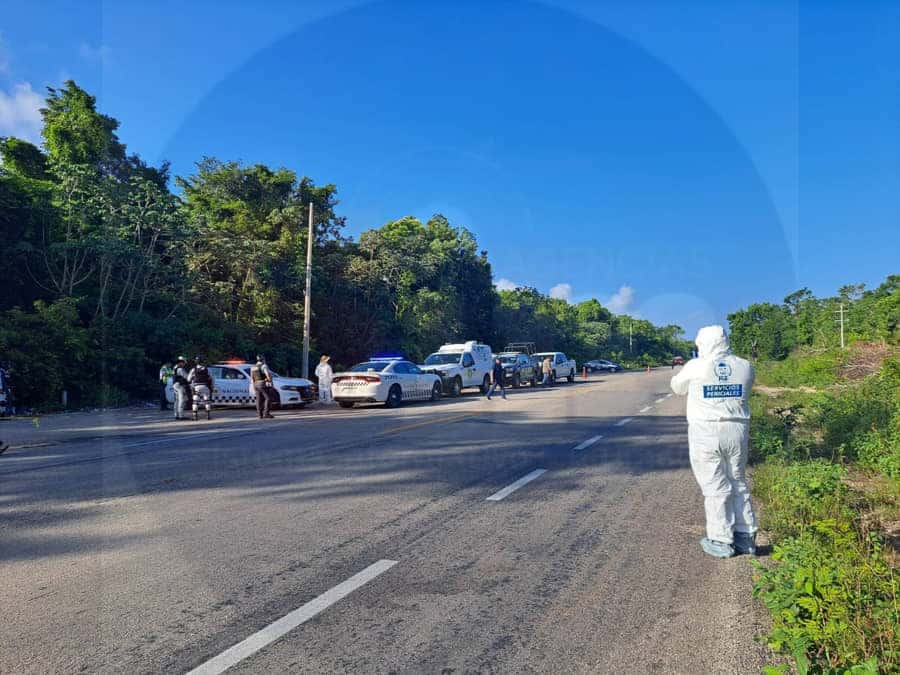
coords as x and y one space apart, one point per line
562 292
20 112
506 285
621 300
90 53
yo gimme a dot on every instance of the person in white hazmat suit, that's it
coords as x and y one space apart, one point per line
717 384
325 375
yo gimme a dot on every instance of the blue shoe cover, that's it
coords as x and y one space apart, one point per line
717 549
745 542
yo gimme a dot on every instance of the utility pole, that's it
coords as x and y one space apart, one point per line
307 305
841 313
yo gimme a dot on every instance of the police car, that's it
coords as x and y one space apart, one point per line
231 387
389 380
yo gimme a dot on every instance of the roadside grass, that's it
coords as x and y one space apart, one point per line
827 475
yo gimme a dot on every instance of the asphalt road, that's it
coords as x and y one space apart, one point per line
383 541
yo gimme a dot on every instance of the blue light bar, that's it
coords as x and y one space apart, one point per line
387 357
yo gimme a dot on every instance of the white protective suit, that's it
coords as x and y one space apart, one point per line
325 375
717 385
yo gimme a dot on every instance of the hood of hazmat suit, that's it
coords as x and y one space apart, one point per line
717 382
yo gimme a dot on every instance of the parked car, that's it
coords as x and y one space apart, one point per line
518 369
678 361
385 380
602 364
460 366
231 387
560 366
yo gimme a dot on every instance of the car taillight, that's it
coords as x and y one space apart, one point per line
357 378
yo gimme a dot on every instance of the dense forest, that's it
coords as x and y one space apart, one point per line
112 266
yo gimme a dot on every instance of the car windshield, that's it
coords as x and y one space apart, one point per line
376 366
443 359
508 358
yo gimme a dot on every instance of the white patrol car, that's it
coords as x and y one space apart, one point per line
384 380
231 387
461 365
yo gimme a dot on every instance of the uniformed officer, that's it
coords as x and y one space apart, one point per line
165 376
181 386
201 382
261 386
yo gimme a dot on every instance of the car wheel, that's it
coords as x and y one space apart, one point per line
275 403
455 387
571 377
436 391
534 380
394 397
485 385
552 377
345 404
517 381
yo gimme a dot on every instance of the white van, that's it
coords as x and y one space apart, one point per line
460 366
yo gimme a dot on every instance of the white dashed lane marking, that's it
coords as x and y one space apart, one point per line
588 443
289 622
622 423
660 400
645 409
509 489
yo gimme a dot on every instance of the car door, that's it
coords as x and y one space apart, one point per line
423 381
406 382
470 378
233 387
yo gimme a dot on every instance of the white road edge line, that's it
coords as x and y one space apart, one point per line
588 443
509 489
660 400
622 423
645 409
276 629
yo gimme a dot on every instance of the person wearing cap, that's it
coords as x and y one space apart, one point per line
201 382
181 387
325 375
261 387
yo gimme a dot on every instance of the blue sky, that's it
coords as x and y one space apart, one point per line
673 159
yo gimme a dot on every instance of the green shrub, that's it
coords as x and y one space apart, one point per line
847 418
831 592
802 368
799 494
833 601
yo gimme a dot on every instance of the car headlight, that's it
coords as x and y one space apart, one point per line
292 387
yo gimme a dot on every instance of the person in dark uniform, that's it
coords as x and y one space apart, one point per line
496 379
181 387
261 386
201 382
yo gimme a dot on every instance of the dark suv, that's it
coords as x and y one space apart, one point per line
519 369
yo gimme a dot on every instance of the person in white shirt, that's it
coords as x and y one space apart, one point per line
325 375
717 384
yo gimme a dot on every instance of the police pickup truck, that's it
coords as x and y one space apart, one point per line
560 366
